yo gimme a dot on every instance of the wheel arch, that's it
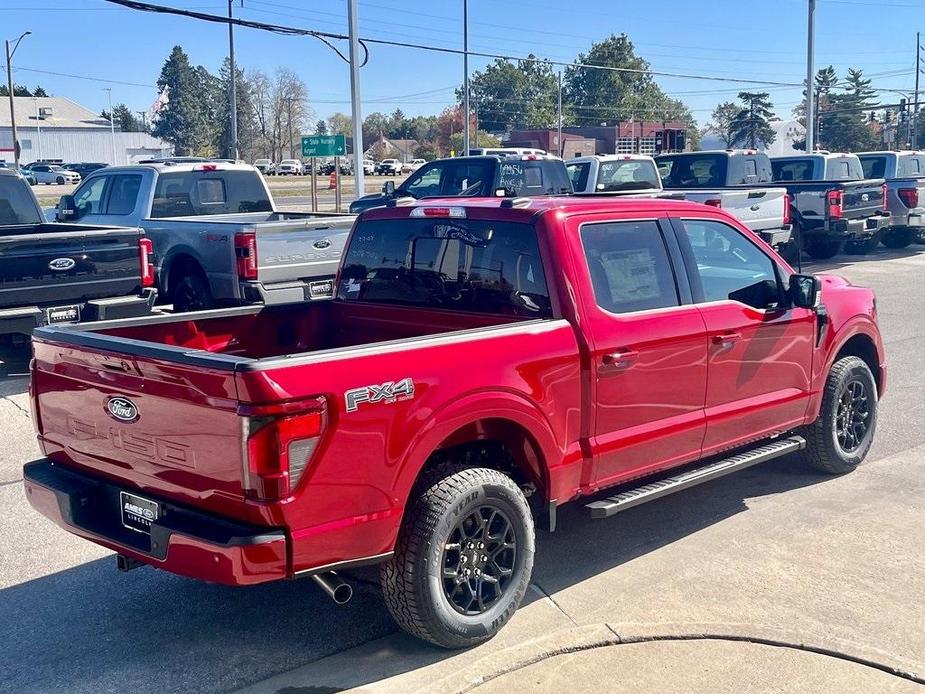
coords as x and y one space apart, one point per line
178 259
862 346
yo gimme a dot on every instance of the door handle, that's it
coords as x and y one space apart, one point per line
620 360
726 340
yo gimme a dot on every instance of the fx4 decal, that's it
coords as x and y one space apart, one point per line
388 392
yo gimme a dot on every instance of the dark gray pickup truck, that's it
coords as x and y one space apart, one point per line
66 273
832 204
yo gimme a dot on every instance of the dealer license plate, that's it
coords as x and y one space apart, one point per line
137 512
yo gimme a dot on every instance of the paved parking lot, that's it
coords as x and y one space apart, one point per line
774 554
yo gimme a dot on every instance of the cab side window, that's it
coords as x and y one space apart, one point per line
89 197
629 266
123 194
729 266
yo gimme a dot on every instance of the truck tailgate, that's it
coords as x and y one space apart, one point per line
56 267
300 249
862 198
165 429
758 208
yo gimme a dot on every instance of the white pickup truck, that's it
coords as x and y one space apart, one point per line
734 180
218 238
905 193
634 174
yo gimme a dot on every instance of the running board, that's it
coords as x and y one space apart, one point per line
655 490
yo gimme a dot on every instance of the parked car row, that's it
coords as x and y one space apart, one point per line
294 167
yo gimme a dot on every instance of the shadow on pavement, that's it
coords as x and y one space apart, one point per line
843 259
14 368
91 628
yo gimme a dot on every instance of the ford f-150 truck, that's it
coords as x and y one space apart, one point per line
905 193
483 362
738 182
218 238
832 204
630 174
519 175
64 273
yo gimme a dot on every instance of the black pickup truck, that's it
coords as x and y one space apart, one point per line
66 273
527 175
831 203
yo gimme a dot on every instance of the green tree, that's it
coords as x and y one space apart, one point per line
18 90
625 91
750 127
321 128
124 118
426 150
484 139
340 123
860 89
724 116
245 107
38 91
375 125
507 94
182 121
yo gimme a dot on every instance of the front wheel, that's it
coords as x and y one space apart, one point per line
60 180
838 441
463 558
898 237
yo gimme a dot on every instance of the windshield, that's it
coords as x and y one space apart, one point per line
198 193
627 175
16 203
460 265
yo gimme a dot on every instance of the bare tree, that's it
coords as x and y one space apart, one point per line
282 112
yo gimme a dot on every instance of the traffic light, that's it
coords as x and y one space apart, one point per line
890 117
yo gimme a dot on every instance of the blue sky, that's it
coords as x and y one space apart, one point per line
125 49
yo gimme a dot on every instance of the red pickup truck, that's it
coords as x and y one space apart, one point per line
483 362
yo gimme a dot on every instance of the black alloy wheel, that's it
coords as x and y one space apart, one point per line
478 560
852 418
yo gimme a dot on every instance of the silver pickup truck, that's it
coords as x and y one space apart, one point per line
905 193
218 238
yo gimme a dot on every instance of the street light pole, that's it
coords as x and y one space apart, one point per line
9 83
233 96
466 76
112 128
358 174
810 74
38 125
918 71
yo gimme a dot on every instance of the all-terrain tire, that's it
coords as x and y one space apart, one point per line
191 293
822 249
824 451
413 580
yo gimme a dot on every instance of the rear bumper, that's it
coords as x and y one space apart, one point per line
182 541
316 289
864 227
776 237
23 319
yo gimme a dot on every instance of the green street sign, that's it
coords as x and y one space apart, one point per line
324 145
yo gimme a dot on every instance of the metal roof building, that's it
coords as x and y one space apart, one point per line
57 128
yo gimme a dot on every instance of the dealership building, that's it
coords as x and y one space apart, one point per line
57 128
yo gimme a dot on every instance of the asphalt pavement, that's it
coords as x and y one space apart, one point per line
772 579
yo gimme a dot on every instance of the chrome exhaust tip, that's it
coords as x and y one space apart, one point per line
338 590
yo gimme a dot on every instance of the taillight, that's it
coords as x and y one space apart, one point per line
909 196
278 448
835 200
146 258
454 212
786 208
713 202
883 203
245 250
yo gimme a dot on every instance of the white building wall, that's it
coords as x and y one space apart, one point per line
81 144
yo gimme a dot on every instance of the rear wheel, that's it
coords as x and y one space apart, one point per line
839 440
463 558
898 237
822 249
191 293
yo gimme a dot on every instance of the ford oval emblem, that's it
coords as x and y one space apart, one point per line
322 244
865 197
122 409
62 264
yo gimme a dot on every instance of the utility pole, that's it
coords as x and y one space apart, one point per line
475 112
144 120
915 108
559 116
9 83
352 23
233 95
112 128
289 120
466 76
810 75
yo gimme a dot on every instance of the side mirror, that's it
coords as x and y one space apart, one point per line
388 188
67 209
805 291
